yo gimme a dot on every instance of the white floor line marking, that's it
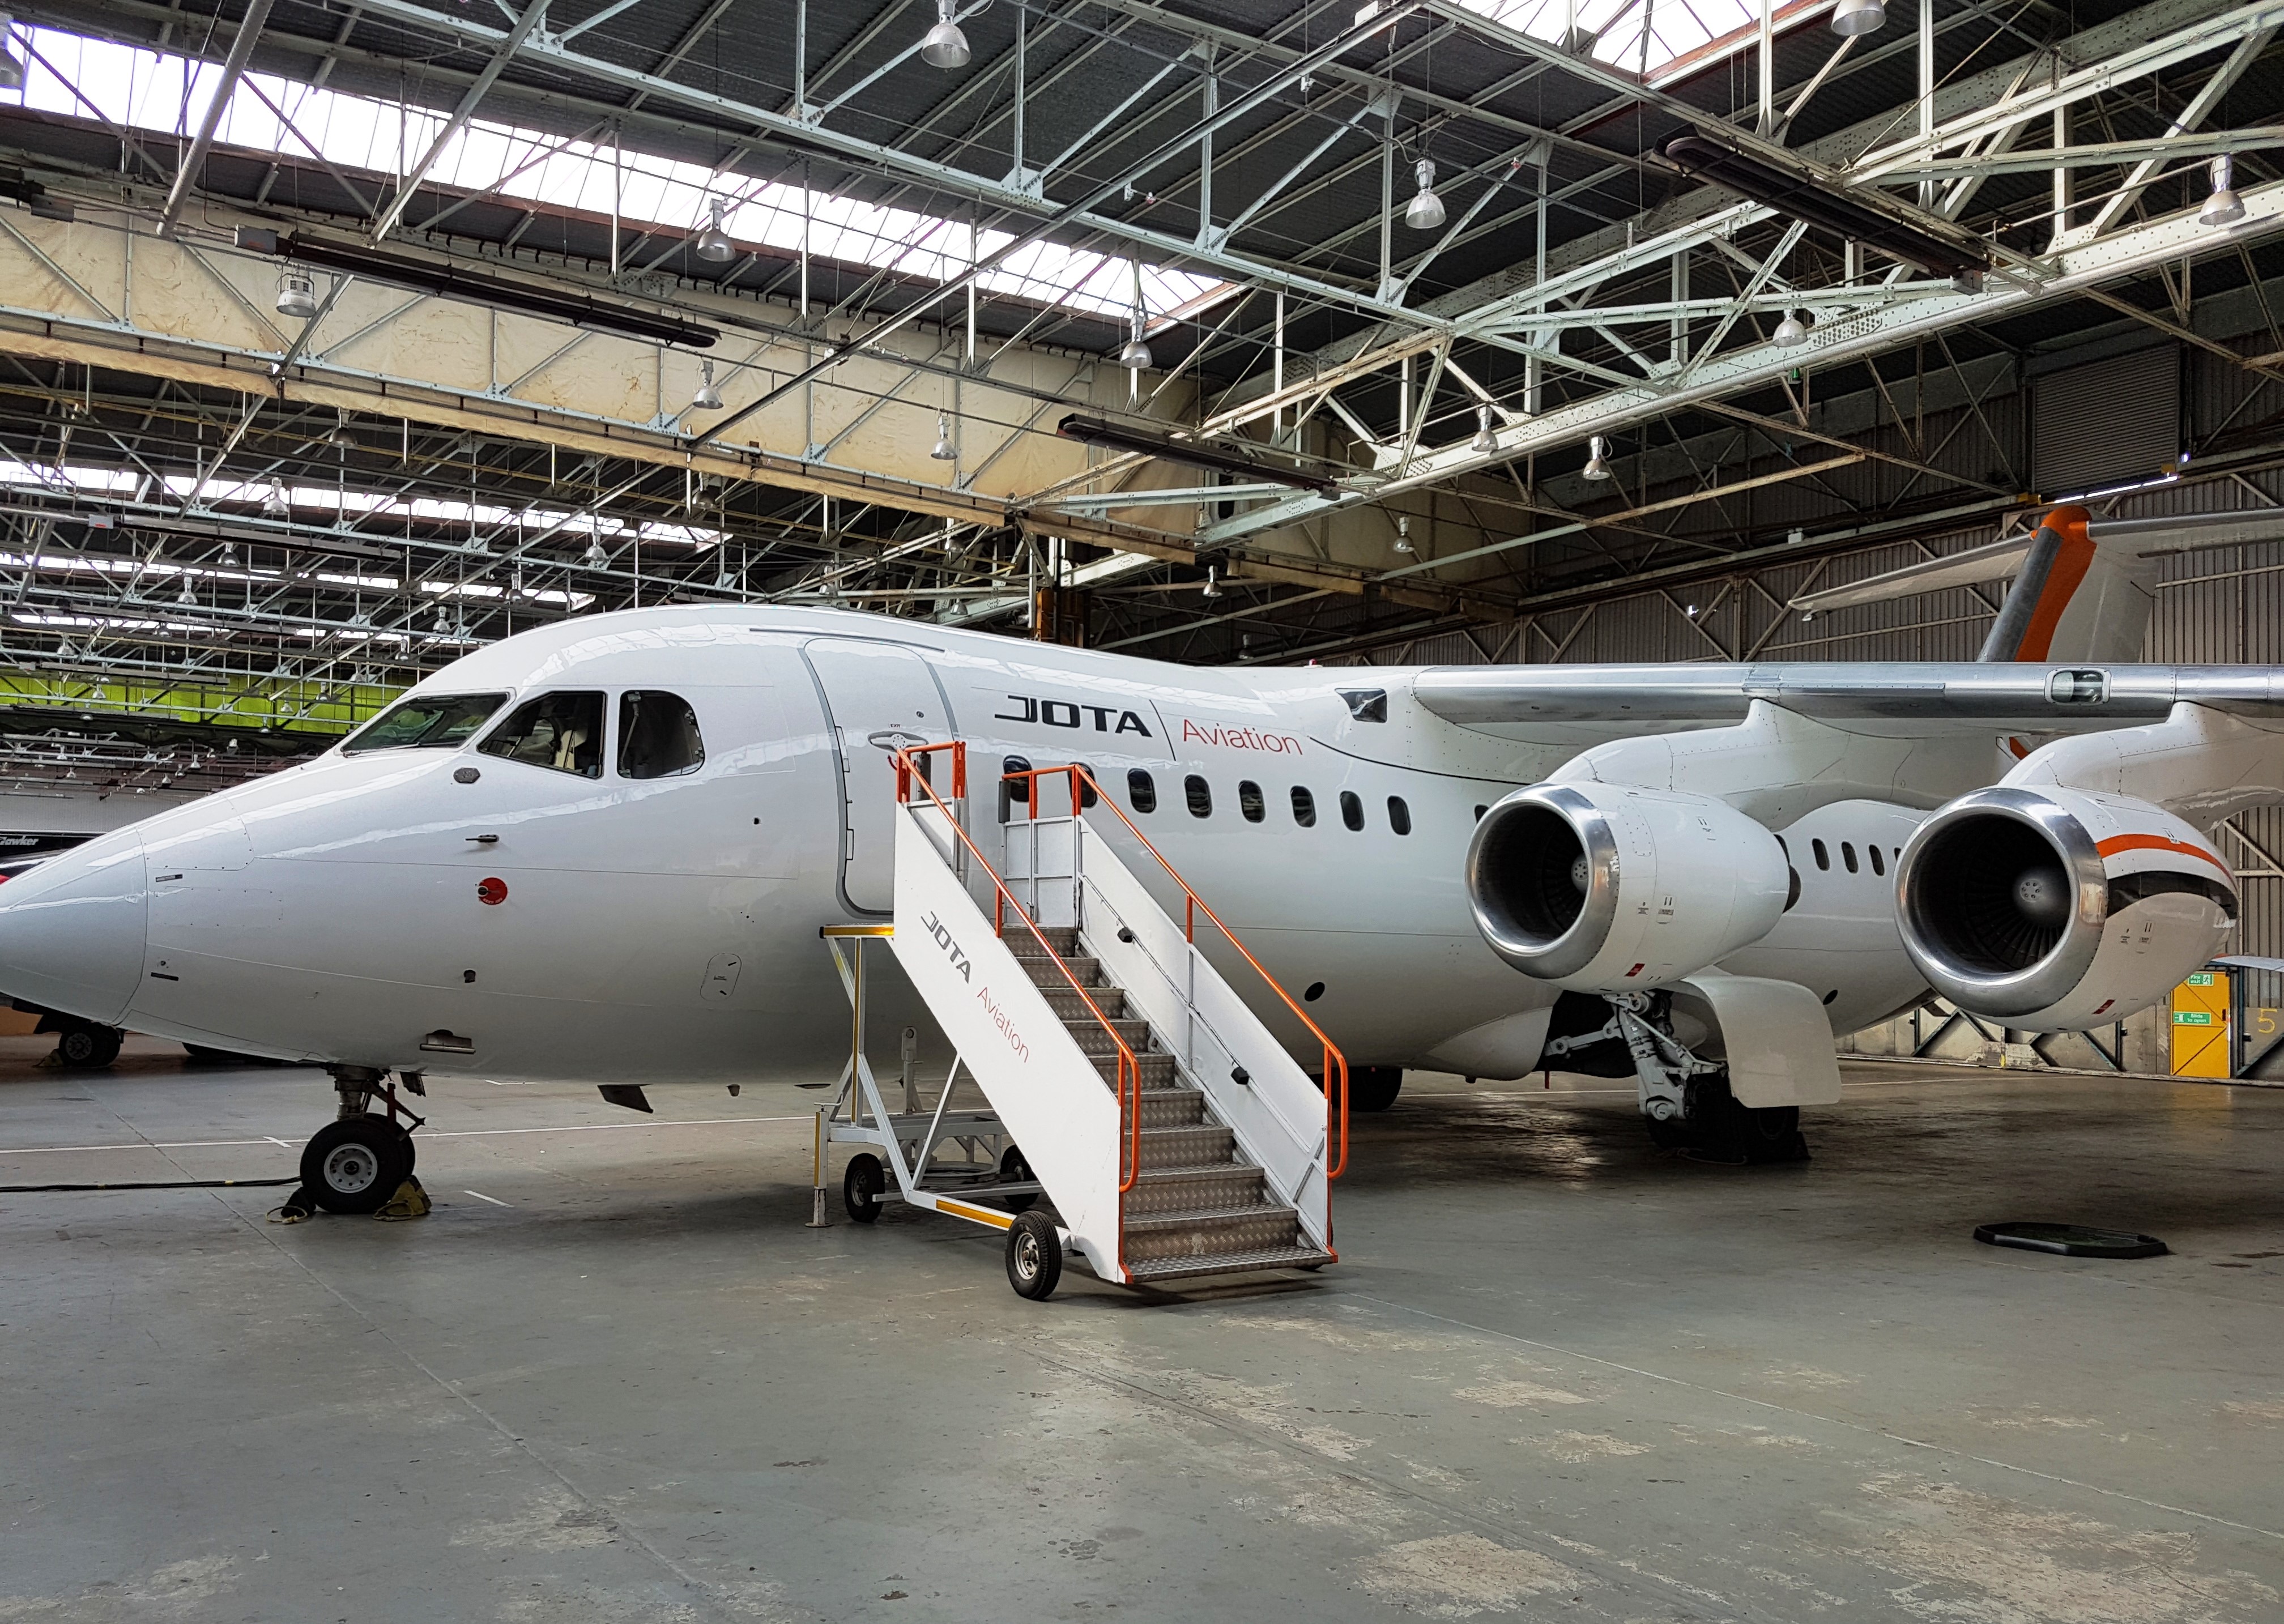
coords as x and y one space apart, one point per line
480 1196
462 1133
281 1144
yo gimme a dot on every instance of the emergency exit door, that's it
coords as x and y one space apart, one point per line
878 698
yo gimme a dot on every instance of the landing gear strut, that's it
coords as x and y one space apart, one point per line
1685 1101
356 1162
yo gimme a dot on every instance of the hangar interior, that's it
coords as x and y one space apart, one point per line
340 338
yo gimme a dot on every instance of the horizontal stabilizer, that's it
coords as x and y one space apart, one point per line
1996 561
2001 560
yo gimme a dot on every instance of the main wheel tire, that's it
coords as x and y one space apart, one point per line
1374 1088
1035 1256
1015 1170
861 1186
1770 1133
355 1164
88 1048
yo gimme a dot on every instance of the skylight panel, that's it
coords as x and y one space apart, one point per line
1642 37
165 92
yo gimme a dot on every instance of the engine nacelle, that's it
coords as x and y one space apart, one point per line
2054 909
1605 888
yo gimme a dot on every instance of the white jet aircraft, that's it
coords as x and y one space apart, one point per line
603 850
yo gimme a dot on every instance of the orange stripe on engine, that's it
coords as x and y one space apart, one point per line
2160 843
2071 561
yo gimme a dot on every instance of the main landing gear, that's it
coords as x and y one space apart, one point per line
358 1162
1685 1101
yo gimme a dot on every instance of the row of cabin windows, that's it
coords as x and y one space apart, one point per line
1253 804
1847 857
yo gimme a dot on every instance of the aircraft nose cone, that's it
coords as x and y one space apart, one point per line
72 930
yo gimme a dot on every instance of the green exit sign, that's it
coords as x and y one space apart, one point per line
2203 978
2193 1018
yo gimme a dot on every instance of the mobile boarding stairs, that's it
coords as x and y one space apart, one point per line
1103 1063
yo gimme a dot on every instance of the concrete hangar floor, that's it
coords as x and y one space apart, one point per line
1556 1373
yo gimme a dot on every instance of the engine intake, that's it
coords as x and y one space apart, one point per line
1601 887
2055 909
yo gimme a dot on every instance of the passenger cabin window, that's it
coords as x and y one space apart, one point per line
1823 857
1878 867
1304 808
1250 803
1201 796
1399 815
658 735
1015 791
1848 854
442 723
1351 809
1142 790
559 730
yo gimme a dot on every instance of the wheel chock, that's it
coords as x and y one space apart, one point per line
410 1201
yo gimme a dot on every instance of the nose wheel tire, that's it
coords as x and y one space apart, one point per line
355 1164
860 1188
87 1049
1035 1256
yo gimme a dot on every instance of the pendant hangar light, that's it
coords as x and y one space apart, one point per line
1485 441
1403 533
944 45
1851 18
1597 449
596 557
297 294
275 505
1791 331
708 398
944 451
1424 212
1213 580
2223 207
1135 356
713 243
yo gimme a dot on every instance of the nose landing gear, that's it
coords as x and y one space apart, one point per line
358 1162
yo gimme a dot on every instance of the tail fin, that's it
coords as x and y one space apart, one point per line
2082 594
2084 586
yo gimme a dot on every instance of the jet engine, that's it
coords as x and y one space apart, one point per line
1605 888
2054 909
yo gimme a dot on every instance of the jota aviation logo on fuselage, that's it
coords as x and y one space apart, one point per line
1070 714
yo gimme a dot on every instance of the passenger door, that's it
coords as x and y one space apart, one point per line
879 696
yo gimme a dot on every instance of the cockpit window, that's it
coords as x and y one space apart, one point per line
433 721
657 736
561 731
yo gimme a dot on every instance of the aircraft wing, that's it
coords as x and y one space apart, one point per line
2033 697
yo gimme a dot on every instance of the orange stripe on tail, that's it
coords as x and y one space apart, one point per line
2071 562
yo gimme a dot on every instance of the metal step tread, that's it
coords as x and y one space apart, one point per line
1194 1170
1203 1214
1228 1263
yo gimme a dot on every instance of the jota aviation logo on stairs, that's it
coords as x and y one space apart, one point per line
1006 1023
943 938
1069 714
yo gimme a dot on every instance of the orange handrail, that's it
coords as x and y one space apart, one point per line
1129 1068
1337 1105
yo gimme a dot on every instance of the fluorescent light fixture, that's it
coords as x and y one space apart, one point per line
1144 442
447 281
1841 214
